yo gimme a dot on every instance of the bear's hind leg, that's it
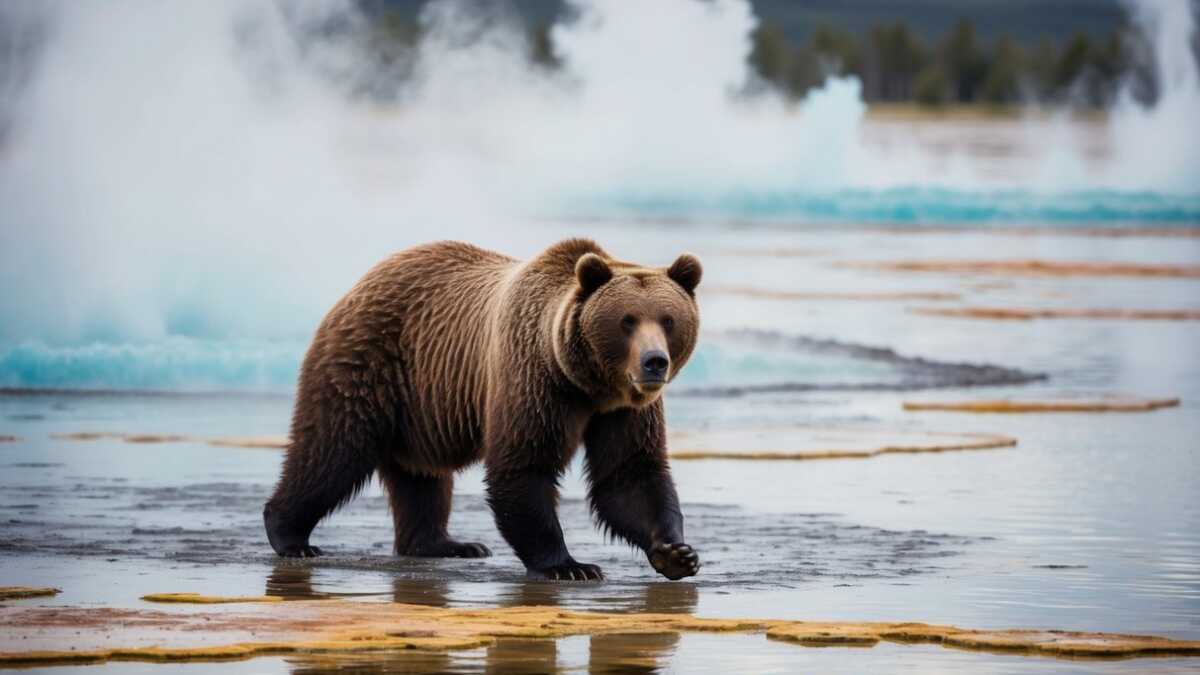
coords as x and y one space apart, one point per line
312 485
420 510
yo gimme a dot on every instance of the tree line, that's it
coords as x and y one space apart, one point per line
895 64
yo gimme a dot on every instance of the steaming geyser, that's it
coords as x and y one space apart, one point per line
165 196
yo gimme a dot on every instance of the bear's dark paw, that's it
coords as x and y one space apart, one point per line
568 571
299 551
674 561
448 548
286 542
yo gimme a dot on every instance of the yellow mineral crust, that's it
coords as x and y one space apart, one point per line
20 592
801 443
1106 404
1032 642
197 599
32 636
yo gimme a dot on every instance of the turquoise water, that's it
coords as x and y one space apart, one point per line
906 206
188 359
724 364
175 363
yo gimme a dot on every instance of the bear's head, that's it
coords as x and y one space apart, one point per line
625 331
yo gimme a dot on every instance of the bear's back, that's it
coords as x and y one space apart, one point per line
405 348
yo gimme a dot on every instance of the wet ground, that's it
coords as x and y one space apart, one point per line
1090 523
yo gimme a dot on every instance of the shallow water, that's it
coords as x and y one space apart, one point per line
1090 523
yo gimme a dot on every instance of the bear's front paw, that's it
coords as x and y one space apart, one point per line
674 561
568 571
299 551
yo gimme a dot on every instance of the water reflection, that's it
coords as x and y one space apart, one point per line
625 652
655 597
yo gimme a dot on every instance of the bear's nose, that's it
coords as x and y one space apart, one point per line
654 365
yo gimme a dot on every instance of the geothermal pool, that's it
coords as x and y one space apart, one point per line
1089 523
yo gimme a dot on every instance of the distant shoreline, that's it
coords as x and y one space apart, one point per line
916 112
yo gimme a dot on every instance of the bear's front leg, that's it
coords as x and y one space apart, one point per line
631 489
524 502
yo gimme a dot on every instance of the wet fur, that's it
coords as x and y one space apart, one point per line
446 354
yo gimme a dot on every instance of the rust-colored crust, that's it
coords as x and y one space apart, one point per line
347 627
838 296
22 592
1028 314
1034 268
1069 406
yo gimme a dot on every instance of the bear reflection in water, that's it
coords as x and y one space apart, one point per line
625 652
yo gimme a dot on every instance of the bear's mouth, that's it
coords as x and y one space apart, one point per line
648 385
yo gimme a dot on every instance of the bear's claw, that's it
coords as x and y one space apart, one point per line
674 561
569 571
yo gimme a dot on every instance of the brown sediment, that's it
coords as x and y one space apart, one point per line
198 599
1037 268
118 436
154 438
21 592
1109 404
805 443
4 438
770 294
87 436
1021 314
33 636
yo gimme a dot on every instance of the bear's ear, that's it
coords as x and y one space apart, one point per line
686 272
592 272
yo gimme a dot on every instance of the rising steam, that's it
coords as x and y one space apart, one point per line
201 170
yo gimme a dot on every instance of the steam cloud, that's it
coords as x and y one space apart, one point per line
192 169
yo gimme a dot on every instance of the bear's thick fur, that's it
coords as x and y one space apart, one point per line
446 354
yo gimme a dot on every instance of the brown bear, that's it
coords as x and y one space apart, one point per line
446 354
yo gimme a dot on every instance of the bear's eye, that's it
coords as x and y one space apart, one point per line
628 323
668 323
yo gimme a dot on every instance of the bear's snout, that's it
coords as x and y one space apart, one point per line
655 364
649 361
